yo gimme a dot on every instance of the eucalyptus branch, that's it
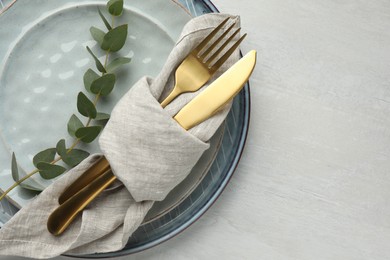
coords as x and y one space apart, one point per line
77 140
45 161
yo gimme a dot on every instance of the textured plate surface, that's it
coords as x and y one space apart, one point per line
35 106
42 70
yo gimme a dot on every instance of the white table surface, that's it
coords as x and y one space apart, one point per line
314 179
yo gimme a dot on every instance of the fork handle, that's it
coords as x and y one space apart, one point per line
97 169
61 218
174 93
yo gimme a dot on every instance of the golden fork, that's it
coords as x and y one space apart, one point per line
195 70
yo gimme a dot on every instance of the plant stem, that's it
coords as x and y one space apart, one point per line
17 183
76 142
96 99
106 60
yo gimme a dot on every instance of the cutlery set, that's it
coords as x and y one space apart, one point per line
195 70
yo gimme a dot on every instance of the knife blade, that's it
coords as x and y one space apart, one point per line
203 106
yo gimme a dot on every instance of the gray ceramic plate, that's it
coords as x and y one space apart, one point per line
196 194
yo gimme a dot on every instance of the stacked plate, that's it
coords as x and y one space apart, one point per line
43 94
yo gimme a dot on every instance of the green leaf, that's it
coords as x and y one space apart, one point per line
88 134
85 106
49 171
106 23
115 38
61 148
14 168
99 65
44 156
103 85
102 116
89 77
74 123
97 34
74 157
30 187
29 184
116 63
115 7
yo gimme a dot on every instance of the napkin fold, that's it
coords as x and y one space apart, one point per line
149 153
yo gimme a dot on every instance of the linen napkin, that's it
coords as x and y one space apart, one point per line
149 153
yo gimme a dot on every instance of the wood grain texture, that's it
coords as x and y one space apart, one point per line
314 180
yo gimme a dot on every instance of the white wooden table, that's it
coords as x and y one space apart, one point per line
314 180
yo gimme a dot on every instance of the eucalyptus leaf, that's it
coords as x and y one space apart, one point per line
29 184
30 187
115 39
97 34
74 157
99 65
103 85
116 63
102 116
50 171
44 156
88 134
85 106
14 168
74 123
89 77
115 7
106 23
61 147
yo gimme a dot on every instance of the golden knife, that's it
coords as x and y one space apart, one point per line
218 93
203 106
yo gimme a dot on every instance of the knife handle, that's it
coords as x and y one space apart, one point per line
60 219
97 169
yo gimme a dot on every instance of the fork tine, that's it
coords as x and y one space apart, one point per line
210 36
227 54
220 49
212 46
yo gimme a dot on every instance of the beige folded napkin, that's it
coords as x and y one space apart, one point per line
148 152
